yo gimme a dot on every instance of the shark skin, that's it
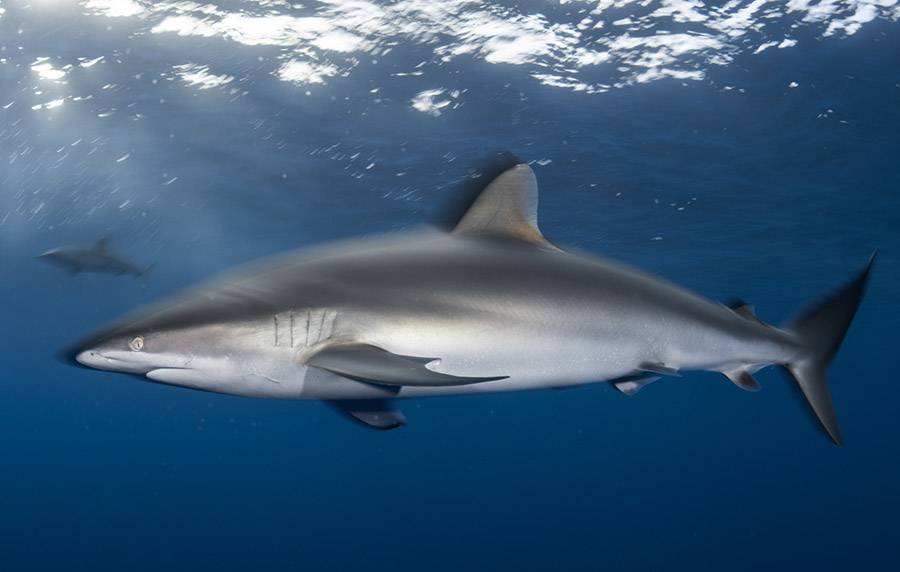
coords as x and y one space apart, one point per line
96 259
492 306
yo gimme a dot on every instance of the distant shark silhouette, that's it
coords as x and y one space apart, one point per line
490 306
97 258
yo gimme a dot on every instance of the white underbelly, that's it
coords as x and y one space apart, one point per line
529 361
531 356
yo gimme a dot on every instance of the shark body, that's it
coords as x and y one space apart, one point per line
491 306
97 258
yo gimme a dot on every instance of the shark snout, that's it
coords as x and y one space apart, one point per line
110 362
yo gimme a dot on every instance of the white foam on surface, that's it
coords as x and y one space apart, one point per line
200 76
306 72
114 8
433 101
597 45
45 70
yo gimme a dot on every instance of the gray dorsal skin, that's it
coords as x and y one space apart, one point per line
497 305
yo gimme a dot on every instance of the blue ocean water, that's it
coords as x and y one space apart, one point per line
747 149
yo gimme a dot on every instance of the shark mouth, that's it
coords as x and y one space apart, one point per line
93 359
177 376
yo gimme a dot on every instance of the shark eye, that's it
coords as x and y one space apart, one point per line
136 344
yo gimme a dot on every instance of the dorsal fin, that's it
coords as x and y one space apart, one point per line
507 207
103 244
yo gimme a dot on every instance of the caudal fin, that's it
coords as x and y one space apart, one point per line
146 271
822 329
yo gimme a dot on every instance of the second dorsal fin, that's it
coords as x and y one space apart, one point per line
745 310
507 207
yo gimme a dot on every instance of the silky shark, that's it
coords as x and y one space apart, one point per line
96 258
490 306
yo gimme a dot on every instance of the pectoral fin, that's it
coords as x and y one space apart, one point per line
371 364
375 413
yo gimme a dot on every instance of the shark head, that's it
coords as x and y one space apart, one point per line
131 353
54 256
210 341
190 357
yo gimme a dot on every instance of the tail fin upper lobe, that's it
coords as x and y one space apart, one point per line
822 329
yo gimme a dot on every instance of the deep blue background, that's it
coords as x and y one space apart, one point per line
102 472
